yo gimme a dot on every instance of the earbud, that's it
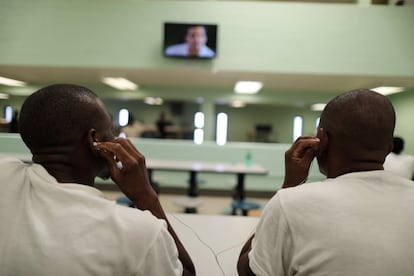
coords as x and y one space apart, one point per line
95 144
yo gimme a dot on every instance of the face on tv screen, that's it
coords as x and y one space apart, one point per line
190 40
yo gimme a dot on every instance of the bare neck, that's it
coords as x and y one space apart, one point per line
370 162
67 165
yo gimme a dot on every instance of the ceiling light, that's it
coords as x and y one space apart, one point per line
11 82
237 104
4 96
318 106
153 101
248 87
388 90
120 83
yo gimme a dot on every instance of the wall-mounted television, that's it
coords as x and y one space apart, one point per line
190 40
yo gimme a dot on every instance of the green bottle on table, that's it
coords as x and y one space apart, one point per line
248 160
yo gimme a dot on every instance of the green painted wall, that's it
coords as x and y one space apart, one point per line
253 36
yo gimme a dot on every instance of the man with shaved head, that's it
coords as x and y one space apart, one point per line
54 222
360 221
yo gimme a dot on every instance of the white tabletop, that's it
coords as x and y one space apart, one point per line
202 166
213 241
178 165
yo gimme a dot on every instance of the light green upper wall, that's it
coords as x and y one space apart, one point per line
253 36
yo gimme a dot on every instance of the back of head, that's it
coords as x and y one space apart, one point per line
57 116
358 122
398 145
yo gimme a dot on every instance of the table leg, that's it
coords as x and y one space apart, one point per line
149 171
191 203
154 184
239 190
193 189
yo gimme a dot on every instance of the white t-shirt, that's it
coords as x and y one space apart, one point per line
401 164
356 224
49 228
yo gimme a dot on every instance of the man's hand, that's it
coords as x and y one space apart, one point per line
298 160
127 168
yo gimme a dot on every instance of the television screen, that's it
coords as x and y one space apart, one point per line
190 40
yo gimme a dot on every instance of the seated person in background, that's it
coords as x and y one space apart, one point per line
14 124
134 128
398 162
194 45
162 124
54 222
357 222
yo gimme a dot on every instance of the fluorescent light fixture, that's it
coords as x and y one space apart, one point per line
4 96
11 82
248 87
120 83
388 90
237 104
153 101
318 106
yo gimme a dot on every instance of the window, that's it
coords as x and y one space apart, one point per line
297 127
317 124
198 136
199 125
8 113
123 117
199 120
221 129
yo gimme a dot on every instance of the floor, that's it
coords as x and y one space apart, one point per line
218 205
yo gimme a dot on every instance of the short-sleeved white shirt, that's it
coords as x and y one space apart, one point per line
356 224
401 164
48 228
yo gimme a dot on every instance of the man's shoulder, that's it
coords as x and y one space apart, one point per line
318 192
143 222
305 189
9 160
134 216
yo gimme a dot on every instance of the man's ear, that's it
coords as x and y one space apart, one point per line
324 140
91 139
